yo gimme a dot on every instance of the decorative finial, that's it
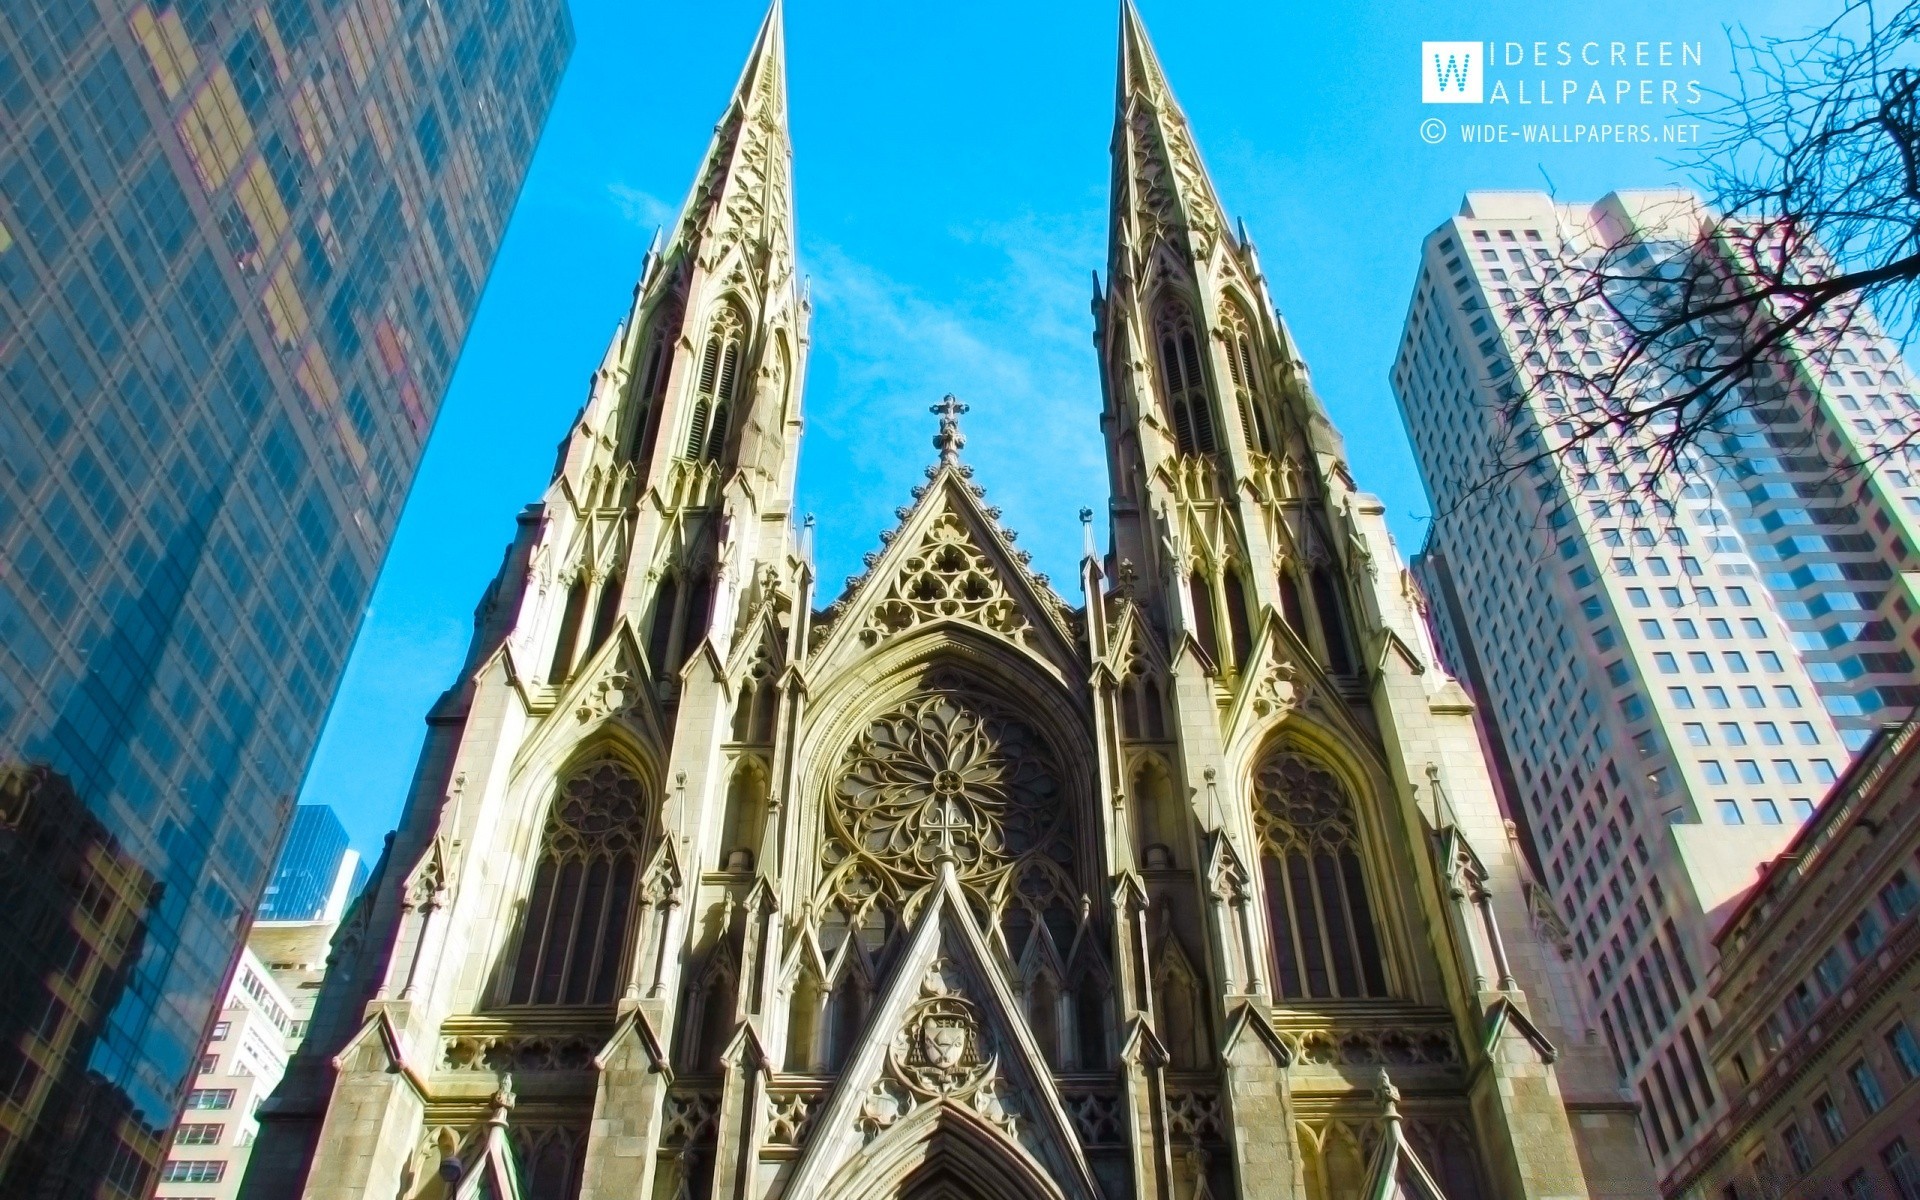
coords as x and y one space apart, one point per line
949 440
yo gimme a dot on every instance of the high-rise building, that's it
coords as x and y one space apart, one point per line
1673 670
949 887
1819 1033
240 245
318 872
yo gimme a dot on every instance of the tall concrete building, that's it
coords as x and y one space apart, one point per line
318 871
240 245
949 887
1668 684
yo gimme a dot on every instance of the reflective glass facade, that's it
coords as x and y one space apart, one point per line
239 249
308 874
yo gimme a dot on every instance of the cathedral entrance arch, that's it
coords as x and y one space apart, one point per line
943 1151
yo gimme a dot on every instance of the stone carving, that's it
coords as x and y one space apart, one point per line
943 1051
597 814
517 1053
1372 1047
942 777
947 576
790 1116
1300 806
942 1048
1277 690
1098 1117
1193 1115
613 694
688 1118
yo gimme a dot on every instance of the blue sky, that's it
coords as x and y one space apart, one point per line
951 175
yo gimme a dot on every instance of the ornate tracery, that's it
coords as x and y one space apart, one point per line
1324 942
943 776
574 935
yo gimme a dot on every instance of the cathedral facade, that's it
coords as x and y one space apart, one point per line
713 887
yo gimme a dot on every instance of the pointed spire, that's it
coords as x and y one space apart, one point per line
1159 184
1139 66
745 190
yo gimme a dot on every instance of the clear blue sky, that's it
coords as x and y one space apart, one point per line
951 173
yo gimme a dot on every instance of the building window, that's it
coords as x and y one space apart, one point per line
1905 1050
1798 1151
220 1029
198 1135
574 935
1186 387
1729 812
207 1098
1858 1187
209 1063
1320 917
714 389
1864 936
189 1170
1901 1168
1830 1119
1899 897
1867 1086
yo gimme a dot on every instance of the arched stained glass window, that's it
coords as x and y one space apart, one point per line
1324 941
574 937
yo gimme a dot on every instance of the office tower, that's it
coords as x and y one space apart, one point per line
318 872
949 888
239 249
1819 1040
240 1064
1673 671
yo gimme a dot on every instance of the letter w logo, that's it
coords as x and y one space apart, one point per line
1450 73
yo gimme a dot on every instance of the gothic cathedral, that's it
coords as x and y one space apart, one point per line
949 887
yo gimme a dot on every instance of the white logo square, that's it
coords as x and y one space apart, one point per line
1450 73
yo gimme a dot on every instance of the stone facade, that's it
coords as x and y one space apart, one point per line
950 887
1818 990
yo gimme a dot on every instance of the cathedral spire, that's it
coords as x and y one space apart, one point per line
744 190
1159 185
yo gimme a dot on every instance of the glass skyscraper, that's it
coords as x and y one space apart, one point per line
239 249
318 871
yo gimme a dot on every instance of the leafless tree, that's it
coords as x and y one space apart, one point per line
1659 341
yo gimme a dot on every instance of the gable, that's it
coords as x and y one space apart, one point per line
946 1054
949 562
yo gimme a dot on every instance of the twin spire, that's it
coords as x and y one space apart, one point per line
744 188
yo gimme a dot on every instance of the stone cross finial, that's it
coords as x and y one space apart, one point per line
949 441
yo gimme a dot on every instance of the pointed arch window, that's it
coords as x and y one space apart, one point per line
1333 621
1200 590
1242 361
571 614
1319 915
1239 626
716 386
605 612
660 628
1184 380
649 385
574 936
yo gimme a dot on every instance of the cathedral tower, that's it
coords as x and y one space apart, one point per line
1196 888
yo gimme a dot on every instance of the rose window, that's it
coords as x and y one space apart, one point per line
944 777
